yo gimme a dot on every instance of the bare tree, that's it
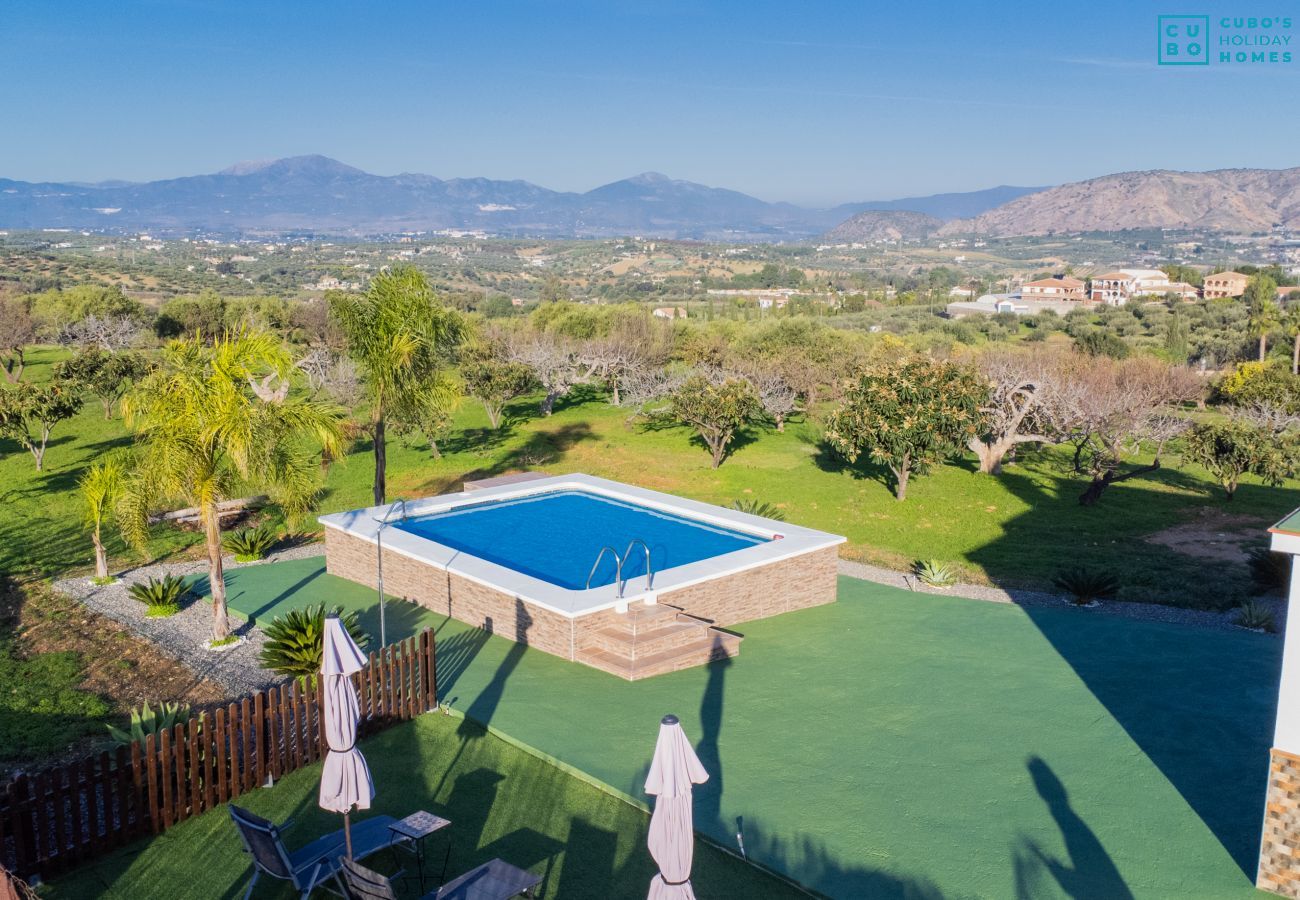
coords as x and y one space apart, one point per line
333 374
1024 403
640 386
108 333
776 395
632 343
554 362
17 331
1114 407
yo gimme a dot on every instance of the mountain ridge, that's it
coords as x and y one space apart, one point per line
318 194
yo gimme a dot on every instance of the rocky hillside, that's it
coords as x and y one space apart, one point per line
1233 200
883 225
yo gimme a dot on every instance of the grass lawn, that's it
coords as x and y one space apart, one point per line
502 801
904 745
1016 528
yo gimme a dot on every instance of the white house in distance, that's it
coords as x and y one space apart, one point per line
1122 285
1058 287
670 312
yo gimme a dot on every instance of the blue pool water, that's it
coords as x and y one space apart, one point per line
556 536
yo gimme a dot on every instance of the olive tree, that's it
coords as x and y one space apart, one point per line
107 376
908 417
17 331
494 380
716 407
28 414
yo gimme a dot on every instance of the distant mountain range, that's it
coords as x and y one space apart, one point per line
1231 200
319 195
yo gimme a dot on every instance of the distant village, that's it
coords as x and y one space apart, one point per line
1062 293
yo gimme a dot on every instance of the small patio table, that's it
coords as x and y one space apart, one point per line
410 834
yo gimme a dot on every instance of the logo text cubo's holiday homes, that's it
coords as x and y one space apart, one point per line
1197 40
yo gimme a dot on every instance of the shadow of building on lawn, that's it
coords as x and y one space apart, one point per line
1164 684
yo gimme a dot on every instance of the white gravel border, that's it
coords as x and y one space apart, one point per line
1145 612
184 636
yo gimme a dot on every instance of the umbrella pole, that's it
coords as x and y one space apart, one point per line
347 832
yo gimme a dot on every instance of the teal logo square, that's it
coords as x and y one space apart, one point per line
1183 40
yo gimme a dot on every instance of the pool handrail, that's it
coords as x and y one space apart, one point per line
618 568
649 569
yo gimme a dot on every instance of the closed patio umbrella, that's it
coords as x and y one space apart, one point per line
674 771
345 780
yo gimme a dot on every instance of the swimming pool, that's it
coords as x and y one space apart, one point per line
514 560
557 536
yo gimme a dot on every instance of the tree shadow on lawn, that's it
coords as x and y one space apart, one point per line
1163 683
42 546
827 459
742 438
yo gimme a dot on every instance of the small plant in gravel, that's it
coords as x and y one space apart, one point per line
1268 570
97 581
251 544
146 721
1086 586
934 573
755 507
226 641
1256 615
295 642
162 596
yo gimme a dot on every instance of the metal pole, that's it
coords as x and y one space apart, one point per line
379 556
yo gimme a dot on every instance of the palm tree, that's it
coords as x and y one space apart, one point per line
207 423
1291 322
100 486
1263 319
401 336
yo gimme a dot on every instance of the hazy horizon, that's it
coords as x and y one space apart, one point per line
825 104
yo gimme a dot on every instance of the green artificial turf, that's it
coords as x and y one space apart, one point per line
502 802
907 745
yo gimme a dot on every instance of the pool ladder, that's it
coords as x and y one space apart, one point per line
620 561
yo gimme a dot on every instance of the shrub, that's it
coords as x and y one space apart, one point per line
1256 615
934 573
1086 585
146 721
162 596
761 508
1270 571
250 544
295 641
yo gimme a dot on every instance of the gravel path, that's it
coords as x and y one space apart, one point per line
1147 612
183 635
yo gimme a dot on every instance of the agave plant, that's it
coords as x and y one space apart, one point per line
1270 571
295 641
934 573
1086 585
161 595
146 721
250 544
1256 615
755 507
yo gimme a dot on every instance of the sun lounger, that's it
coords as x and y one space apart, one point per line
494 880
307 867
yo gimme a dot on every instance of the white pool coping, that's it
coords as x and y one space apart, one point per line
794 541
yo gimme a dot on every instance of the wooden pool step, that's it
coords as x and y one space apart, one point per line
652 640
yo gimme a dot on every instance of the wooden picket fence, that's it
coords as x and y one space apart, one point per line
57 819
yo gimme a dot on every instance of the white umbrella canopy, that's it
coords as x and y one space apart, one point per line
674 772
345 779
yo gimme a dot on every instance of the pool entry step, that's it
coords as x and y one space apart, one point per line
651 640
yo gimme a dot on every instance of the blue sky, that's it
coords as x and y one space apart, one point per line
811 102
